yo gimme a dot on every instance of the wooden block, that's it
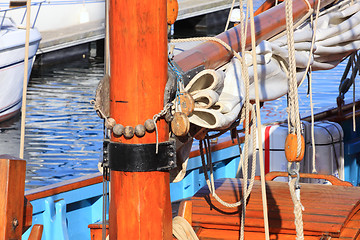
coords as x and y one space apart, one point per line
12 179
28 210
36 232
185 210
96 230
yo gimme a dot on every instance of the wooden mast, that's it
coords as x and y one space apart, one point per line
140 206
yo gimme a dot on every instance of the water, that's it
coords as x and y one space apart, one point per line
64 135
63 132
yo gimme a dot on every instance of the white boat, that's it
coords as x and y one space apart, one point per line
12 55
58 14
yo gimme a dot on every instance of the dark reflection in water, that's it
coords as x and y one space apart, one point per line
63 133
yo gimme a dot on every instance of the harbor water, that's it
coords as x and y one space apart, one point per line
64 135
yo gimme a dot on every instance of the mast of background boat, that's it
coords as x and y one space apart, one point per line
25 82
140 206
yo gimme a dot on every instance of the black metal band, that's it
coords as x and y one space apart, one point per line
142 157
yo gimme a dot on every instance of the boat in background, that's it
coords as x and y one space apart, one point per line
58 14
12 54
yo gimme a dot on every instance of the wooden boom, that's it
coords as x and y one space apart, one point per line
267 24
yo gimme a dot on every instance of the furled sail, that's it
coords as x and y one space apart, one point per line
218 104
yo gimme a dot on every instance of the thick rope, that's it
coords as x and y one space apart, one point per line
259 132
182 230
245 75
297 211
295 125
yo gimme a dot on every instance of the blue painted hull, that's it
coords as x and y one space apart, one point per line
67 215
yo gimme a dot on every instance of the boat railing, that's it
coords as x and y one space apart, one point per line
4 11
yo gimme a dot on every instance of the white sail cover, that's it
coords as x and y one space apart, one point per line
218 103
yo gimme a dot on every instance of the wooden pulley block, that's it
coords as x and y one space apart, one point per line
291 148
172 11
180 125
187 103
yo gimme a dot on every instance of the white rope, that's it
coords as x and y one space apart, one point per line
182 230
353 105
314 27
294 123
230 12
309 70
312 125
227 46
297 211
295 126
261 156
25 80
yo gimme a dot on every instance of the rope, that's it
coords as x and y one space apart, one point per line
312 40
297 210
103 230
261 157
227 46
25 81
166 108
353 82
182 230
312 125
207 162
295 125
230 12
309 70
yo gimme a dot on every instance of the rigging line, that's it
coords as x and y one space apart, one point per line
295 118
312 123
353 107
261 157
314 26
107 39
25 81
230 12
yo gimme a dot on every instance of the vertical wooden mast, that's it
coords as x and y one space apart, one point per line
140 205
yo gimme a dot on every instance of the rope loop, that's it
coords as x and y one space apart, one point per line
162 113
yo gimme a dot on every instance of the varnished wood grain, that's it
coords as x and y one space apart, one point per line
329 210
12 178
141 207
27 219
64 186
36 232
267 24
